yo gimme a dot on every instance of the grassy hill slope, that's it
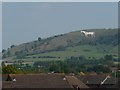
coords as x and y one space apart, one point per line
66 45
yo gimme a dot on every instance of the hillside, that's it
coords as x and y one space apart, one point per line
63 46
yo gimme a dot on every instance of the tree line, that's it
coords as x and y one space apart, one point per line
69 65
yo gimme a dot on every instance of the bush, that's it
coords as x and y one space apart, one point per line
60 48
9 69
39 38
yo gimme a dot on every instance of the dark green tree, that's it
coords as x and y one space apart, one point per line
108 57
3 50
39 38
12 46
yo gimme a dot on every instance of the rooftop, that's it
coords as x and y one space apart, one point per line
42 81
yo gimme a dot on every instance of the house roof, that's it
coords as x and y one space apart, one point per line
37 81
75 81
97 79
40 81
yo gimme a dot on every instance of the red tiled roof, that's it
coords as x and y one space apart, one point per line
37 81
42 81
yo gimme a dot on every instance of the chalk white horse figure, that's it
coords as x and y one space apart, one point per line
88 33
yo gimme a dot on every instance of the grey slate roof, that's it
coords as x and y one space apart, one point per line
97 79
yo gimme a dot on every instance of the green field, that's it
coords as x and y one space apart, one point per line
86 50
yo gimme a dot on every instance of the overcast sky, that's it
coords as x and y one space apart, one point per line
24 22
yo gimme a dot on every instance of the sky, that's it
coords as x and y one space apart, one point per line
26 21
60 0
